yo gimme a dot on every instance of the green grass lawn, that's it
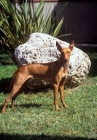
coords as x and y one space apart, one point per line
35 118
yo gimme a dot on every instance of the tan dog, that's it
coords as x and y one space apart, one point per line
54 72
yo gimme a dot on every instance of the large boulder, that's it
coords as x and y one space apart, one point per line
41 48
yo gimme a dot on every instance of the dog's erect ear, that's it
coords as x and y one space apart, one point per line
71 46
59 47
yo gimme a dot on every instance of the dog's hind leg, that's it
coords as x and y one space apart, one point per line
23 87
12 93
13 99
18 82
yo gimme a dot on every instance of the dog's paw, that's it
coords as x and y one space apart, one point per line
57 109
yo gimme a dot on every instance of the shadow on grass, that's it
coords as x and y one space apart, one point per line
92 53
93 70
4 83
23 106
29 105
5 136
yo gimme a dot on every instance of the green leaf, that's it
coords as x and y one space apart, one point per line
57 29
65 35
61 9
4 4
39 8
1 22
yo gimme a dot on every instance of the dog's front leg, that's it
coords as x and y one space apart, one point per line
56 97
61 88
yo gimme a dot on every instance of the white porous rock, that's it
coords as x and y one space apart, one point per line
41 48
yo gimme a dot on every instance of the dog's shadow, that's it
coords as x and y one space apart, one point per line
29 105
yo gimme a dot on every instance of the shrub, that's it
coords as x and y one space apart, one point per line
17 23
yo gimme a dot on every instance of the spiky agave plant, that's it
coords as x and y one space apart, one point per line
17 23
